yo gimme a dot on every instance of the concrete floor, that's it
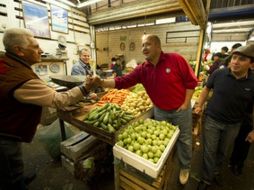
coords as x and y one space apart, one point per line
52 176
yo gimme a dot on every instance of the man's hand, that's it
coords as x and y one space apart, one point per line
198 110
250 137
182 107
98 81
92 81
93 96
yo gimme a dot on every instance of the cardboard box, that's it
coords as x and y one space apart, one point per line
78 145
142 164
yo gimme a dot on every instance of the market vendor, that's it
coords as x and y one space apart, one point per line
22 95
169 81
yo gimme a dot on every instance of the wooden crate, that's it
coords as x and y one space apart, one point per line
129 182
128 178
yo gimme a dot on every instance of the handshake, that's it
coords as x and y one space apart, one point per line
93 81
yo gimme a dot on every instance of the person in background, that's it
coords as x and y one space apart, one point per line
170 82
117 68
233 92
224 52
22 95
206 55
226 61
241 146
82 67
113 62
216 63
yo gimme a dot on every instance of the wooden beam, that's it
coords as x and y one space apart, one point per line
199 52
133 10
195 11
187 11
198 10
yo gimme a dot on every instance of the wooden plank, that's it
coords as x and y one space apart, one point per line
130 183
124 186
159 180
137 181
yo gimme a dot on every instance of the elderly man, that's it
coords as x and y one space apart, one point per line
169 81
233 93
22 95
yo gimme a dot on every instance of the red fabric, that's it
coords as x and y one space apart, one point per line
3 69
165 83
18 120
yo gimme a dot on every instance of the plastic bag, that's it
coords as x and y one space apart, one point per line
51 138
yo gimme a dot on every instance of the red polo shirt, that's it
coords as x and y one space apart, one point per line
165 83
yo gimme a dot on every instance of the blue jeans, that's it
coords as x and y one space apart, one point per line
217 138
11 165
182 119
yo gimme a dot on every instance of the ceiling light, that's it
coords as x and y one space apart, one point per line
58 3
86 3
166 20
68 3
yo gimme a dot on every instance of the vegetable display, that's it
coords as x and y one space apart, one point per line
137 103
110 117
113 96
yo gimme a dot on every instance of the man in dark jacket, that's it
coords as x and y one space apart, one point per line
22 95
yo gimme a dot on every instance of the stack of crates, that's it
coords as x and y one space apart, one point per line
75 148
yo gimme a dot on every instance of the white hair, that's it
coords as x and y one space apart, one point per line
84 50
16 36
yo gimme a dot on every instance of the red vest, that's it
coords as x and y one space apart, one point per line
17 120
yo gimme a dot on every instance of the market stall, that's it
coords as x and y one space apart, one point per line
113 125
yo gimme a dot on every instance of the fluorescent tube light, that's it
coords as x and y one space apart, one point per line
69 3
166 20
86 3
58 3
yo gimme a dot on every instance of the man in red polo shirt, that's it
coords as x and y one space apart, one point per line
169 81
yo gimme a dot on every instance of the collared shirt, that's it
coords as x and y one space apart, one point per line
81 68
165 83
231 97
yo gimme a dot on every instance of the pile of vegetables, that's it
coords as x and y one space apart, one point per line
197 92
146 138
113 96
137 103
110 117
137 88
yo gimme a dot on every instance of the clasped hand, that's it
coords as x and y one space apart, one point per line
93 81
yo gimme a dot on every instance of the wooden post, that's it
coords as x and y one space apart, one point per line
199 52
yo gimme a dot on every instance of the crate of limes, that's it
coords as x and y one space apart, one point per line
146 144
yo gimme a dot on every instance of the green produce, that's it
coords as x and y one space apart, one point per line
146 138
110 117
138 87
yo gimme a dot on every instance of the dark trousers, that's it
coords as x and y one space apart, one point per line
241 147
11 165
